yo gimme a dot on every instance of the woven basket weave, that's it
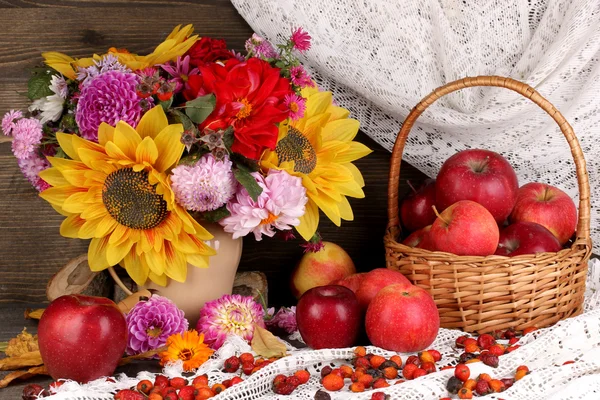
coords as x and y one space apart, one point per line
481 294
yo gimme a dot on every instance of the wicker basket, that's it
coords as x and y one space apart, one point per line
481 294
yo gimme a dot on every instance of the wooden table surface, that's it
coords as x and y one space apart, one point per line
31 247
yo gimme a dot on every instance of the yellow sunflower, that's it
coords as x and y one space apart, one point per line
188 347
117 193
176 44
320 149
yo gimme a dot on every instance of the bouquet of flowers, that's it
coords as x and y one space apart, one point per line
128 147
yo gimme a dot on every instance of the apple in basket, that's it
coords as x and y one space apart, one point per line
328 317
82 337
526 238
416 210
402 318
318 268
548 206
420 239
465 228
481 176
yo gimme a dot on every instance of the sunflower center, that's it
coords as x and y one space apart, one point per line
269 220
296 147
245 110
186 354
132 201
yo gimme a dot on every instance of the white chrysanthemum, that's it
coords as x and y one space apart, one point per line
52 106
204 186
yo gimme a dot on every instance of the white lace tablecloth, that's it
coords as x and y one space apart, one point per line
543 351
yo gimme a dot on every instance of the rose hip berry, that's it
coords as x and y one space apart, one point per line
454 384
482 388
489 359
326 370
128 394
178 382
409 370
460 341
187 393
413 360
303 375
465 393
485 341
322 395
232 364
397 360
246 358
437 356
426 356
462 372
357 387
333 382
33 391
380 396
497 386
161 381
144 386
380 383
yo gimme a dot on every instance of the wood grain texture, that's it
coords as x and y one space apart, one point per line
31 246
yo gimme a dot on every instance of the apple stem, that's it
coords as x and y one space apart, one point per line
437 214
411 186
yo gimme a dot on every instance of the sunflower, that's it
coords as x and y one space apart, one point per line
117 193
320 149
188 347
176 44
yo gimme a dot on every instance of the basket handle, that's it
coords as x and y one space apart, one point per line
583 224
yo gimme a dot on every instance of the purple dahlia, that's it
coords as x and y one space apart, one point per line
151 322
109 97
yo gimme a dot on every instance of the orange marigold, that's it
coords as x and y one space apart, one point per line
188 347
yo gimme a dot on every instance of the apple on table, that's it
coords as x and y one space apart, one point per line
82 338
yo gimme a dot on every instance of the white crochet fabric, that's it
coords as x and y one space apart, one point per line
543 351
380 57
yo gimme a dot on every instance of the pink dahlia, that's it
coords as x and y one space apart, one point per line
296 104
301 39
109 97
151 322
31 166
204 186
279 206
300 77
27 135
9 121
229 315
284 319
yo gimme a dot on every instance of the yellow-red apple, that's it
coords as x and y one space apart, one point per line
321 268
420 239
526 238
548 206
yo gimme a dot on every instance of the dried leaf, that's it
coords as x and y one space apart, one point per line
267 345
142 356
34 314
23 343
31 359
24 374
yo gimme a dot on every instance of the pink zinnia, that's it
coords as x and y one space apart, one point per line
301 39
231 314
27 134
299 77
279 206
31 166
296 104
8 121
204 186
109 97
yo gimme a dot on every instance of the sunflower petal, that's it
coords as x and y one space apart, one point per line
356 174
114 254
197 260
93 211
105 226
53 177
65 141
136 267
58 194
126 139
146 151
71 225
318 103
355 151
175 263
75 203
152 123
309 221
344 130
160 280
170 148
97 254
155 262
105 133
329 207
345 210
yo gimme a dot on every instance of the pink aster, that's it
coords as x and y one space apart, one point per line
301 39
27 135
31 166
204 186
296 104
279 206
300 77
258 47
229 315
8 121
284 319
180 71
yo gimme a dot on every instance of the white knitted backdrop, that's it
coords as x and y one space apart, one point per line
380 57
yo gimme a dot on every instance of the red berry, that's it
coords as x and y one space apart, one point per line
293 380
232 364
513 340
380 383
144 386
462 372
460 341
235 380
303 375
161 381
33 391
436 355
187 393
485 341
168 390
429 367
246 358
128 394
419 372
227 383
178 382
326 371
201 380
413 360
409 370
171 396
285 389
379 396
489 359
279 379
247 368
482 387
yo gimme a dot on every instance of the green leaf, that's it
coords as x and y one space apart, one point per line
183 119
60 153
192 158
248 182
216 215
199 109
166 104
244 163
38 86
228 138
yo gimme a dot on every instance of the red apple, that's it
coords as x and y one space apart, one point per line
465 228
402 319
526 238
352 282
420 239
481 176
320 268
328 317
82 337
374 281
548 206
416 210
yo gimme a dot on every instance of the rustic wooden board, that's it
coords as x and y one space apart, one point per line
31 246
